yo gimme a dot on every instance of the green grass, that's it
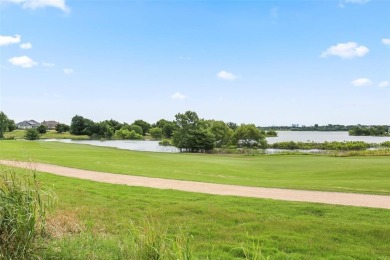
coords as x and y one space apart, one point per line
362 174
219 226
51 134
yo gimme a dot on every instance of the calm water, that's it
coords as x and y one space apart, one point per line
320 137
297 136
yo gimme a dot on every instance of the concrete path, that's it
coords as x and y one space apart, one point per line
338 198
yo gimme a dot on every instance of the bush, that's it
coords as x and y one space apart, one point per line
156 132
127 134
22 215
165 142
42 129
31 134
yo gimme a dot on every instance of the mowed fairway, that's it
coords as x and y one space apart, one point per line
313 172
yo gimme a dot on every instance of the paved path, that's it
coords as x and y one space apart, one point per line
338 198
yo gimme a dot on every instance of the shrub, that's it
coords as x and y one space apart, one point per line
42 129
156 132
22 215
165 142
31 134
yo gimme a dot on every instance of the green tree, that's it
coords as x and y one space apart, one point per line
135 128
192 134
3 124
156 132
221 132
42 129
144 125
61 128
248 135
31 134
167 127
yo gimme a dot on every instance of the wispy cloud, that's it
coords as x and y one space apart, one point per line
346 50
68 71
26 45
178 96
386 41
48 64
226 75
23 61
384 84
361 82
35 4
342 3
7 40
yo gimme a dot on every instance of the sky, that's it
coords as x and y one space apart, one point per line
262 62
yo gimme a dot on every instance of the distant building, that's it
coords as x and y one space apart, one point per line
50 124
27 124
295 125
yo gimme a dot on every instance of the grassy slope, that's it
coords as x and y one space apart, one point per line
51 134
353 174
219 225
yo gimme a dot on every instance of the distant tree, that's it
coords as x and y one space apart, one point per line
156 133
135 128
31 134
61 128
221 132
42 129
3 124
232 125
192 133
144 125
167 127
124 133
248 135
82 126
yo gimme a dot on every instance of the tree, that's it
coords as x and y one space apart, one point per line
248 135
221 132
192 133
82 126
135 128
31 134
167 127
42 129
144 125
60 128
232 125
156 132
3 124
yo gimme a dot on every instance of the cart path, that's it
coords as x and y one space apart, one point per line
338 198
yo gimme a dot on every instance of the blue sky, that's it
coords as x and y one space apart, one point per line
262 62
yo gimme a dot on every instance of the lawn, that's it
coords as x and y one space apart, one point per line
50 134
93 221
364 174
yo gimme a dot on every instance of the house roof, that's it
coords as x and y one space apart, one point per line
28 123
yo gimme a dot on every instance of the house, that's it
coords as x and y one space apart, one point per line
27 124
50 124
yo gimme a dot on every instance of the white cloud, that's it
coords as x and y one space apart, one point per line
26 45
7 40
23 61
68 71
346 50
35 4
48 64
360 2
386 41
384 84
356 1
226 75
178 96
362 82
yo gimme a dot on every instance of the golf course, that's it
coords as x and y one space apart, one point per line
93 220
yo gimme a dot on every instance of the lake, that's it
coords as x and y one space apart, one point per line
283 136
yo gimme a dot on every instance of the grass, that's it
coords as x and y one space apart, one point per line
50 134
362 174
219 227
23 207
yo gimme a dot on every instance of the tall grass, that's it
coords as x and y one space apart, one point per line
22 215
152 241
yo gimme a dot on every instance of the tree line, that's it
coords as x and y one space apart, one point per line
188 132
